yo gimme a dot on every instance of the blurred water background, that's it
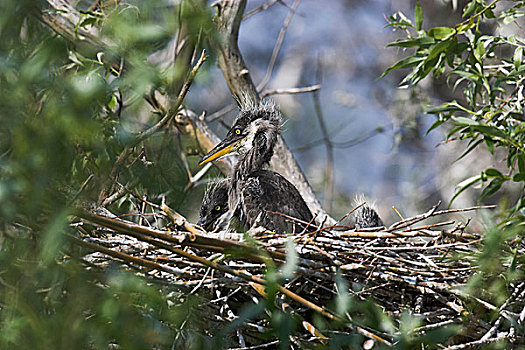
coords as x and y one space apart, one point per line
378 131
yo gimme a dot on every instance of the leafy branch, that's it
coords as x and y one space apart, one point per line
491 110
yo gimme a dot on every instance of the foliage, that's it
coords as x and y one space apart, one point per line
72 110
68 111
489 69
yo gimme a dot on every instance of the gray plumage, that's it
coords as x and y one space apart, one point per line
214 211
254 192
366 216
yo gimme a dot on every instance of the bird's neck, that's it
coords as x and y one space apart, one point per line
253 160
248 163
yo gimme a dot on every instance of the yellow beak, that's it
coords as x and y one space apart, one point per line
218 152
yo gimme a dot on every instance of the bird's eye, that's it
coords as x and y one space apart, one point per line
238 131
218 207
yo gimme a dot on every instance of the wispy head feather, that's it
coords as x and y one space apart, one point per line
214 185
366 216
214 205
361 199
265 109
218 182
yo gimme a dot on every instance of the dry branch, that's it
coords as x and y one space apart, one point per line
396 268
242 88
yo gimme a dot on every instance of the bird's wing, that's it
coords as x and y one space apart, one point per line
266 191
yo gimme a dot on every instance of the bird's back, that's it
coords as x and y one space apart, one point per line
265 192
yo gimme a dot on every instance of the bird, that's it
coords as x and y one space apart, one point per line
366 216
256 194
214 214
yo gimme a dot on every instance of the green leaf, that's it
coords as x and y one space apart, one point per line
441 33
288 269
343 300
435 125
88 21
469 149
518 72
518 57
438 49
492 188
521 162
490 144
490 130
510 17
491 172
455 130
404 63
464 121
519 177
445 107
469 8
466 26
463 186
113 102
460 48
489 14
399 19
53 237
479 51
419 16
420 41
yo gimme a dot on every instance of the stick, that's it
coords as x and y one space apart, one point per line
128 258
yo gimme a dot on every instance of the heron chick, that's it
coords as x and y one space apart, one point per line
256 194
214 213
366 216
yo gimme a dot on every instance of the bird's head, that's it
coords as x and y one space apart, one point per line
255 129
214 205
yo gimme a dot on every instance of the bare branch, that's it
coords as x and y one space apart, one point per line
329 173
170 114
291 91
263 7
239 81
277 46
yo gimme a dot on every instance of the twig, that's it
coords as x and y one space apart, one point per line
277 46
478 343
426 227
310 224
263 7
425 247
175 107
340 144
329 173
433 212
350 212
128 258
261 346
398 213
221 112
291 91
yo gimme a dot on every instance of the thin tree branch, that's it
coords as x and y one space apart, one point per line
263 7
170 114
291 91
238 79
277 46
126 257
329 173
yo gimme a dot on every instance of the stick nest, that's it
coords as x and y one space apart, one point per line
407 267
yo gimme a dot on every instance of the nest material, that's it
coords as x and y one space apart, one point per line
407 266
